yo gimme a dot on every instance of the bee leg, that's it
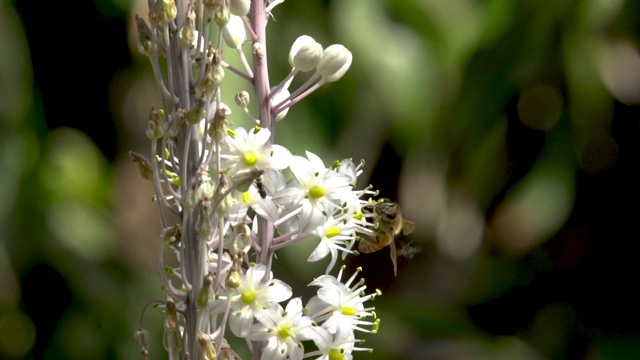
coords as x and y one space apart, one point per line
394 259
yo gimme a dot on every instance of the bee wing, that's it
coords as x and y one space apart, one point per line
408 227
368 244
394 260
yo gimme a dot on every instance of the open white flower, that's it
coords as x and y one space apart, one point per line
284 330
319 187
253 296
335 235
341 305
251 150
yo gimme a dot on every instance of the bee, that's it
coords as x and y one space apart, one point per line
389 223
261 189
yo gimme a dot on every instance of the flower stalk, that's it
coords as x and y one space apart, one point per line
225 204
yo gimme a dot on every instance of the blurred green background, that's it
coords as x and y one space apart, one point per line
508 130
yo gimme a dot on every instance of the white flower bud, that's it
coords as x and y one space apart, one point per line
240 7
297 45
308 57
335 63
234 32
277 99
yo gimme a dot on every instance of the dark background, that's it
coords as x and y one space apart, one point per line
508 130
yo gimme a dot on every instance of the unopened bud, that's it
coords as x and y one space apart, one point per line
234 33
240 7
196 113
221 15
335 63
163 12
188 32
205 294
279 97
242 99
308 57
213 76
297 45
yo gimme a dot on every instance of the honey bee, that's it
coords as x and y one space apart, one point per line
389 223
261 189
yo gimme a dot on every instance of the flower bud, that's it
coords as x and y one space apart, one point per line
308 57
297 45
213 76
277 99
234 33
144 36
196 113
163 12
335 63
206 292
188 33
242 99
240 7
221 15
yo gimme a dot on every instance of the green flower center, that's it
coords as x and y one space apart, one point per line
332 231
248 297
284 332
317 192
249 158
347 310
336 354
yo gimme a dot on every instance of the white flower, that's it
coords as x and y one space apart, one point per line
284 331
251 150
253 296
334 234
321 188
341 306
339 348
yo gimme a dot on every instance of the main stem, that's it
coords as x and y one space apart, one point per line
194 248
258 17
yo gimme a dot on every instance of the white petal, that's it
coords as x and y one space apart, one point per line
320 252
316 162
